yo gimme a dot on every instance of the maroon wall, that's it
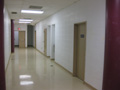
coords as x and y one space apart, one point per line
2 69
12 36
111 79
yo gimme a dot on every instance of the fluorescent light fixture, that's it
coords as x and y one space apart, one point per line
25 20
32 11
26 82
25 76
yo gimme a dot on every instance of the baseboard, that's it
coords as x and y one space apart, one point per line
55 62
63 68
72 74
52 59
30 46
8 62
89 86
16 45
41 53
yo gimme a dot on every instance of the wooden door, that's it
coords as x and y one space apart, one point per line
45 41
22 39
80 50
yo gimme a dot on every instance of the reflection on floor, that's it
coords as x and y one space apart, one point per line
30 70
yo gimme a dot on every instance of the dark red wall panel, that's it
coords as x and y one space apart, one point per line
12 36
2 68
111 80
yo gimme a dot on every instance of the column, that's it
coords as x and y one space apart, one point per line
111 80
12 36
2 67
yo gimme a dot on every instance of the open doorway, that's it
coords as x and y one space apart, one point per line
30 30
79 50
52 42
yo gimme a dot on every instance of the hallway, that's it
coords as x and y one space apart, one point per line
30 70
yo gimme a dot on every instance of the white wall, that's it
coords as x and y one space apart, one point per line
7 36
48 40
92 11
40 38
16 37
52 42
23 27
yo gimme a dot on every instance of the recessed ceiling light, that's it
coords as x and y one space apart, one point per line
32 11
24 76
26 82
25 20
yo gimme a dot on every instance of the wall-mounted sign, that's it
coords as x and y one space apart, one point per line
18 28
82 36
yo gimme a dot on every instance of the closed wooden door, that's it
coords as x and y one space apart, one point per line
22 39
45 41
79 50
81 45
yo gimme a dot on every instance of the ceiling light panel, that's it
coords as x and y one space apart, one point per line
26 82
24 76
32 11
25 20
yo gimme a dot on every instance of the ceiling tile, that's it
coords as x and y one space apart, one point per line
49 6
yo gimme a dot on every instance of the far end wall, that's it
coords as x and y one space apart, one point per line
23 27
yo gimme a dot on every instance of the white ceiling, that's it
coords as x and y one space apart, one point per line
49 6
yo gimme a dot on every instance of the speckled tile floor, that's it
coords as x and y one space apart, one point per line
30 70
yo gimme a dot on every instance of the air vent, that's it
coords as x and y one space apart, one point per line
13 12
27 18
35 7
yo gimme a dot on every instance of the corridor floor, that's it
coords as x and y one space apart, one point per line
30 70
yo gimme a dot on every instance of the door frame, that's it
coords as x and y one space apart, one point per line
75 49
